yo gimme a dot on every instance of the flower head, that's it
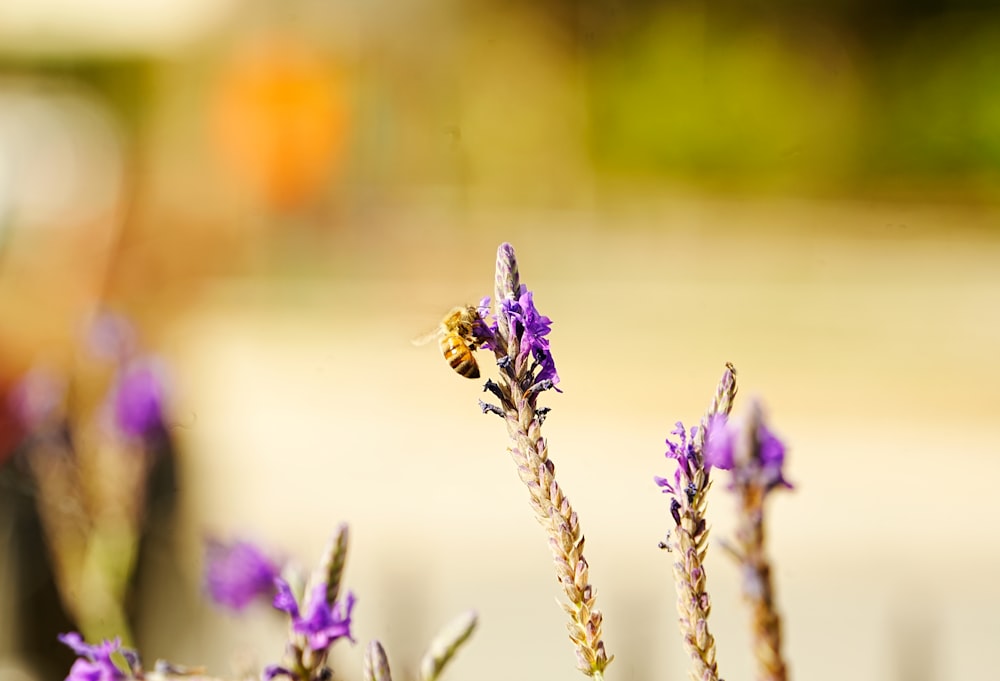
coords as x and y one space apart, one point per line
683 452
322 623
750 449
530 328
139 397
237 573
94 663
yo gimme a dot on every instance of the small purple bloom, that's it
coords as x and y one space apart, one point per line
531 329
284 599
237 573
668 487
772 458
534 326
94 663
682 452
139 398
765 461
322 623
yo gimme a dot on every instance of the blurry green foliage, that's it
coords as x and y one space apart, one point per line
796 104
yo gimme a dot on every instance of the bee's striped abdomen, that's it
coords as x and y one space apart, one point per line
459 356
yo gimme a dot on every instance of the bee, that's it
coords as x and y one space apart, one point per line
457 340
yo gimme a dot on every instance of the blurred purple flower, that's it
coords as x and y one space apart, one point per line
237 573
719 443
763 464
94 663
139 398
322 623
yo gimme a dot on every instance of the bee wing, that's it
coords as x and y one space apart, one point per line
427 337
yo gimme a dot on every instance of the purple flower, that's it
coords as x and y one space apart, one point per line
531 330
94 663
762 465
322 624
237 573
139 398
771 451
683 453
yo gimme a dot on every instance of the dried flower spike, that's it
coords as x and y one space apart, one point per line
688 542
333 563
755 456
446 644
518 335
376 663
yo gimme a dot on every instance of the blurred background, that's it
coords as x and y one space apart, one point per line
281 194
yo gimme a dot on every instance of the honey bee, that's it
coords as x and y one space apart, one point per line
457 340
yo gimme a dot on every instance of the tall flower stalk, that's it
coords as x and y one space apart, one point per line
317 617
517 334
688 542
755 456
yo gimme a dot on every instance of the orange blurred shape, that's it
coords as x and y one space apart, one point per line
279 119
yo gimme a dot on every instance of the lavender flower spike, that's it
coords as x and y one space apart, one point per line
756 457
376 665
689 540
317 619
519 341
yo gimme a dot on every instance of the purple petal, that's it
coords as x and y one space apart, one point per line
237 573
94 663
284 599
668 487
324 624
720 441
273 670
